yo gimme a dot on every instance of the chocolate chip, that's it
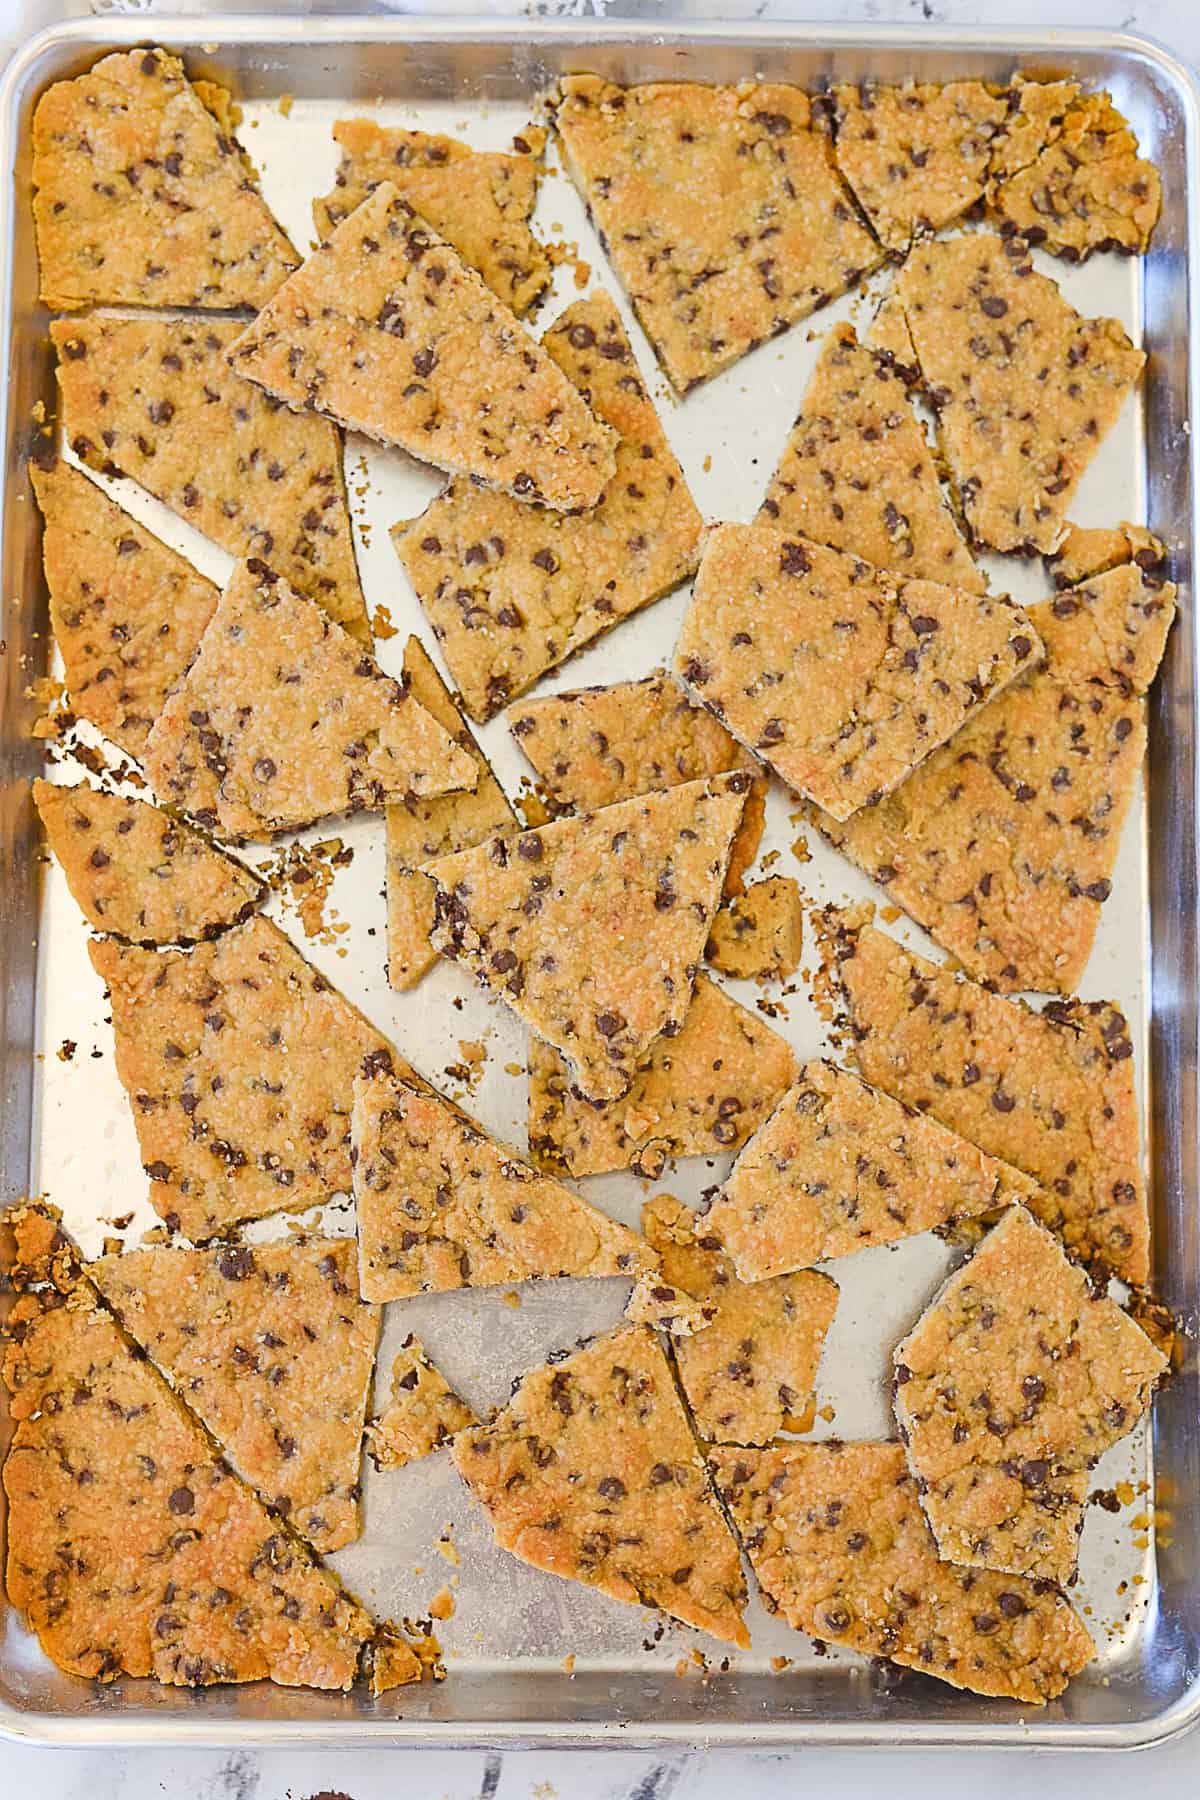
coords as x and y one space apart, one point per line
993 306
611 1488
182 1501
235 1262
608 1024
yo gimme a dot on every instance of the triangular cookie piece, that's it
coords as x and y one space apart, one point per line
840 1166
155 399
480 201
858 474
513 590
283 719
386 330
1016 1378
1025 388
443 1205
841 676
273 1350
239 1061
1051 1092
423 1413
1003 844
592 928
127 612
141 198
701 1091
837 1539
719 207
419 830
1087 190
592 1473
139 873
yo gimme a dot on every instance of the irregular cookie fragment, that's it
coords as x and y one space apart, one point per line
513 590
1087 190
386 330
127 612
420 830
442 1205
271 1347
239 1061
916 156
1050 1092
751 1371
156 400
700 1091
592 928
840 1166
137 872
283 719
1036 110
656 1301
592 1473
1003 844
141 197
836 1537
1094 550
478 200
1025 388
423 1413
857 473
719 208
759 934
1018 1376
841 676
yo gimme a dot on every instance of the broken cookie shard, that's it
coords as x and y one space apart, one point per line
719 208
1050 1092
1036 110
1003 845
272 1349
155 399
592 928
127 612
142 198
1018 1376
386 330
283 719
592 1473
422 1414
137 872
1086 551
759 934
442 1205
837 1539
513 590
1024 387
841 676
480 201
1086 190
699 1092
840 1166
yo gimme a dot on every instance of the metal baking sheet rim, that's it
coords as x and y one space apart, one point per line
64 49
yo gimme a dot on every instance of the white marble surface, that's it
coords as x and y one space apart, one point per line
1170 1771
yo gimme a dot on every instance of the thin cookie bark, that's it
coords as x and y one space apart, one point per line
142 198
1014 1381
127 612
420 830
751 1371
1093 550
841 1166
282 719
1036 111
386 330
1087 190
480 201
1003 844
239 1061
592 1473
155 399
514 590
836 1537
857 473
272 1349
701 1091
442 1205
422 1414
719 208
139 873
758 935
1025 388
842 677
1050 1092
593 927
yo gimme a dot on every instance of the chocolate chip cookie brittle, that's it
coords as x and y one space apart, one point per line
422 1414
1087 190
